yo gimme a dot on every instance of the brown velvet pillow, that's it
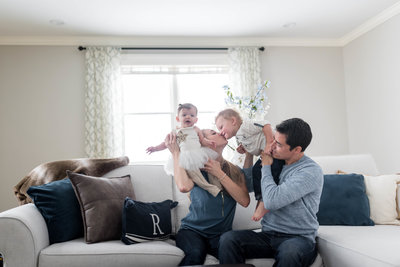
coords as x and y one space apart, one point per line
101 201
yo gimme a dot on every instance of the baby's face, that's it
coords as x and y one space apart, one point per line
226 127
212 135
187 117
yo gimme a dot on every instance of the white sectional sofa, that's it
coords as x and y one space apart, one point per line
24 237
355 246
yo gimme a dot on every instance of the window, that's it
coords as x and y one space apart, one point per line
152 94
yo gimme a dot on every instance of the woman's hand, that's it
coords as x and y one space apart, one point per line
237 190
180 175
170 143
214 167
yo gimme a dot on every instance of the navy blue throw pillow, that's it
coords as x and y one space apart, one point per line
344 201
146 221
60 209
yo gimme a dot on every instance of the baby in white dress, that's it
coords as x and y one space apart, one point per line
195 149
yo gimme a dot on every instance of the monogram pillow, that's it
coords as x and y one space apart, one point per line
146 221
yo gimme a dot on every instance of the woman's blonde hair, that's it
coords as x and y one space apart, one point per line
229 113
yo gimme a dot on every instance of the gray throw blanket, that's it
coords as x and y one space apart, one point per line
56 170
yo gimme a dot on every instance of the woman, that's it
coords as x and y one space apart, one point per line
209 217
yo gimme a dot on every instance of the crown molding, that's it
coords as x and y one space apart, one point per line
370 24
143 41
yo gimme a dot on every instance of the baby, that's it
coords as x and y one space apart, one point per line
253 137
195 149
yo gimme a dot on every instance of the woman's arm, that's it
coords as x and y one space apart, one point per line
182 180
237 191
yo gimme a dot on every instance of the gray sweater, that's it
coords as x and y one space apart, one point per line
293 204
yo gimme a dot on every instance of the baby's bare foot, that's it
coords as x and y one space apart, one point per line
259 212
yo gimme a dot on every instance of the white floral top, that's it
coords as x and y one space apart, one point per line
251 136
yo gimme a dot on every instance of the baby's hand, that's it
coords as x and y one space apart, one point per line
240 149
208 143
268 148
151 149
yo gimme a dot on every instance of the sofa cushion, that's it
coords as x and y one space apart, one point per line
381 192
77 253
101 201
362 163
60 209
344 201
146 221
359 245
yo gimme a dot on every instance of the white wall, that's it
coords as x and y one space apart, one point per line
308 83
41 111
372 78
42 101
42 104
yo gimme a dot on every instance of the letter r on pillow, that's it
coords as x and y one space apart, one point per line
156 221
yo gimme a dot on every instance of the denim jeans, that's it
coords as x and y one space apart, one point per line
276 169
195 246
287 250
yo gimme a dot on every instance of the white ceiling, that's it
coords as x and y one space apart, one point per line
314 19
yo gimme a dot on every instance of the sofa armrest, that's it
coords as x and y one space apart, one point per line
23 234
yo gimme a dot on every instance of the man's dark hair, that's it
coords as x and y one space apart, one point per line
297 131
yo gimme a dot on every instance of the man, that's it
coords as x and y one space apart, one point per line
290 226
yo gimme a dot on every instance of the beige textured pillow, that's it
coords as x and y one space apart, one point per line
101 201
381 192
398 200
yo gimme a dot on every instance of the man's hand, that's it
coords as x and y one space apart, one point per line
266 158
268 148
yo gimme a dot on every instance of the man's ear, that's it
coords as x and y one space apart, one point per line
297 149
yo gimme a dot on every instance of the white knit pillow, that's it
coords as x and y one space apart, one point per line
398 200
381 192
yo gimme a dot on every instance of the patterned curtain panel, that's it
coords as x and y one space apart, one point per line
245 77
104 106
244 70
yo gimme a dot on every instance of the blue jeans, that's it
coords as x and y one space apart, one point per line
195 246
287 250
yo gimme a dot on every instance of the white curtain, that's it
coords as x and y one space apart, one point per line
244 79
244 70
104 106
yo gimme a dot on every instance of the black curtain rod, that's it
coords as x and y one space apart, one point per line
80 48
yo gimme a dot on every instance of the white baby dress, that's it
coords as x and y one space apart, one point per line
193 155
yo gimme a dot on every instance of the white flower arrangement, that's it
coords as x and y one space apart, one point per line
250 105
